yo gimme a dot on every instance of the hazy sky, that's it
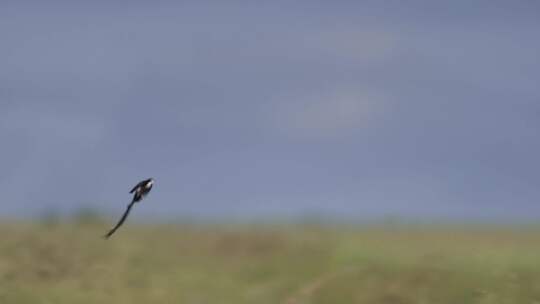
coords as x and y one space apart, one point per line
242 109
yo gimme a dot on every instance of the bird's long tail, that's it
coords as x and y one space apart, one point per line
121 221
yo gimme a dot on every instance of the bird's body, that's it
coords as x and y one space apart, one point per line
142 189
139 192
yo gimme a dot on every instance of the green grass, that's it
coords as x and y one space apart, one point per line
71 263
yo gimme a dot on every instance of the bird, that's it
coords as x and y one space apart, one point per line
139 192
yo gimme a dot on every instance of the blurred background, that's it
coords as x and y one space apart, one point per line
328 112
242 110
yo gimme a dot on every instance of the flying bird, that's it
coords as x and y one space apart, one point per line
139 192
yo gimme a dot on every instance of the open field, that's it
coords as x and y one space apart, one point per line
70 263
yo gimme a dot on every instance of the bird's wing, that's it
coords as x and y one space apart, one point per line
121 221
136 186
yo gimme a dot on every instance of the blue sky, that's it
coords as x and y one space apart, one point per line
245 110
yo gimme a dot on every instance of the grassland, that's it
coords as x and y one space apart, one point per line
71 263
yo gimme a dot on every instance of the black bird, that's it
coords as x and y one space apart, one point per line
141 190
